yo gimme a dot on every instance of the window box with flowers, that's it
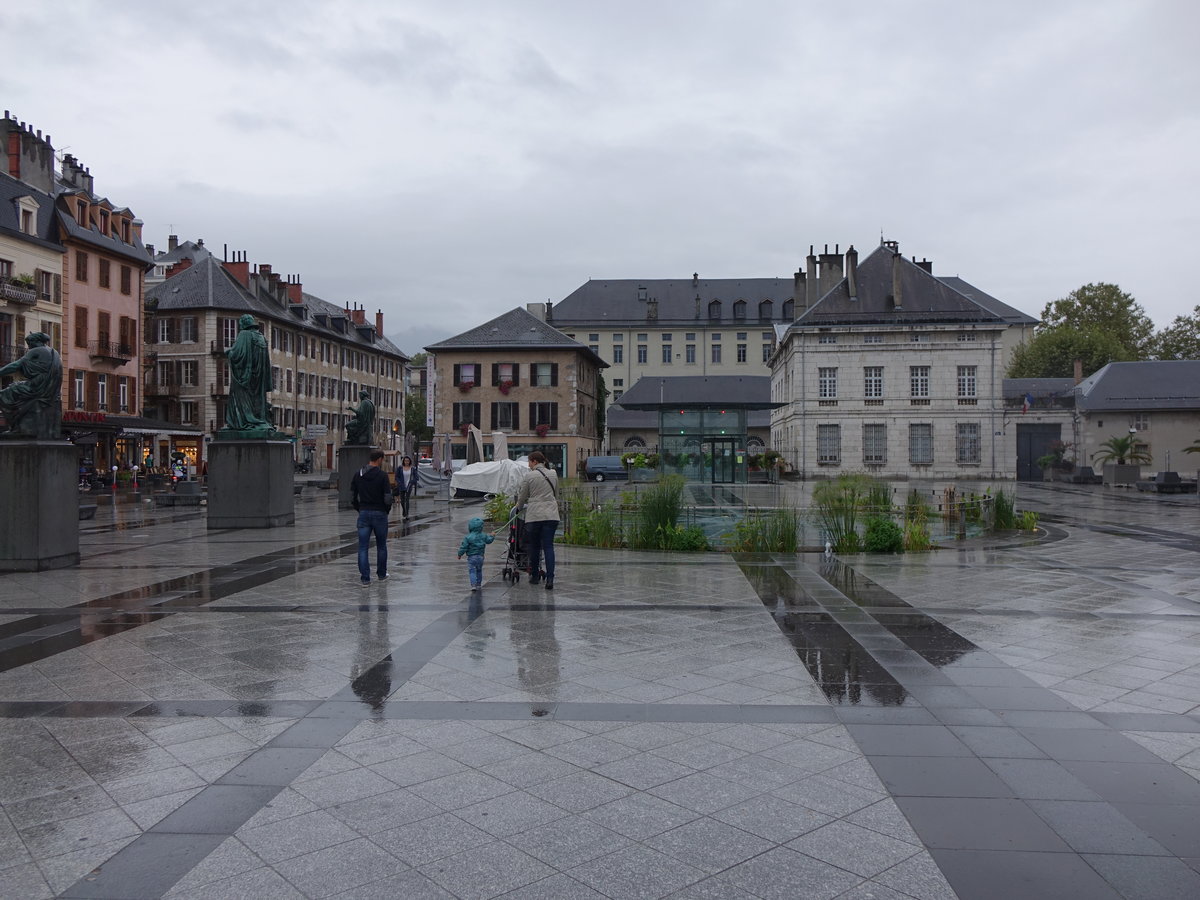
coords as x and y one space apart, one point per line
542 430
465 386
505 386
464 428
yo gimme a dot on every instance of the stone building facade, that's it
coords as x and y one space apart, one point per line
322 355
898 373
518 375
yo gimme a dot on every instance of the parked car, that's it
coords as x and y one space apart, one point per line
600 468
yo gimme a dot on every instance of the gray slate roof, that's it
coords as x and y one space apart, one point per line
47 222
207 285
1016 388
924 299
516 329
619 417
135 251
1157 384
614 302
701 392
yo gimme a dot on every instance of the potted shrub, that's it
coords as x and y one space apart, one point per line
1054 464
1122 459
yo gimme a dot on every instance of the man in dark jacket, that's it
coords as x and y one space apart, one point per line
371 495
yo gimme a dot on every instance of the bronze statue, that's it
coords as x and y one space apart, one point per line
33 407
248 413
360 428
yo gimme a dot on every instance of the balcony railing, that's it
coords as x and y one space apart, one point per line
8 354
108 350
18 293
162 390
218 390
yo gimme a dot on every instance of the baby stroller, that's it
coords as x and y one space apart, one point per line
516 560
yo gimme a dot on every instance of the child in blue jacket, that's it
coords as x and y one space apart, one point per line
473 546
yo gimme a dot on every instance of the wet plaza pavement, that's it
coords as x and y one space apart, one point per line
194 714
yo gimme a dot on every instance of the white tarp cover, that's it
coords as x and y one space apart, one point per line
502 476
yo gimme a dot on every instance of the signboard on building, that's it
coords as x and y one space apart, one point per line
314 431
429 376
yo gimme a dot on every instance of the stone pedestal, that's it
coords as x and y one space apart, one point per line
39 513
350 458
250 484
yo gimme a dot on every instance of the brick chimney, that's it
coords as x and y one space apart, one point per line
238 267
358 315
1078 370
28 157
178 267
831 270
295 289
172 242
379 321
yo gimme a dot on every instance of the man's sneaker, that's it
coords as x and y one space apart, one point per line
364 582
383 577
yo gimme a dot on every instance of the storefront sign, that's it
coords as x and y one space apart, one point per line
79 415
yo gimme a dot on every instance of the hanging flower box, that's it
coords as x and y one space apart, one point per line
505 386
464 428
465 386
542 430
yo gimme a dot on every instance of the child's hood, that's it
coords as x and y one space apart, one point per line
475 525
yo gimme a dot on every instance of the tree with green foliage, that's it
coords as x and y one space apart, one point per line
414 418
1121 450
1106 309
1180 339
1052 352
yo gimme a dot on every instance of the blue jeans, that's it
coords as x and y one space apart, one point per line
475 570
539 540
372 520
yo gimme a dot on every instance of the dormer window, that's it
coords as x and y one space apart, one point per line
27 209
125 231
714 309
81 212
104 222
765 310
739 309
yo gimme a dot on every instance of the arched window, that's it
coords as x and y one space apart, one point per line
714 309
755 444
635 443
766 310
739 309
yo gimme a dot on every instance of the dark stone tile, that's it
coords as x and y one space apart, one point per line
1023 698
1127 721
978 824
219 809
620 712
934 696
1002 743
801 715
1103 745
1147 877
1120 782
1175 826
976 676
953 715
184 708
23 709
938 776
892 715
1040 779
94 709
952 659
907 740
1096 828
313 733
1032 718
273 766
909 675
148 867
1000 875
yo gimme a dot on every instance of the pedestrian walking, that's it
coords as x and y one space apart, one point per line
371 495
473 545
407 479
538 498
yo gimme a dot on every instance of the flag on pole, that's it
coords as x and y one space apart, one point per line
1028 403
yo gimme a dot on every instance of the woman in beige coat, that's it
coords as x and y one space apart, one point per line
538 498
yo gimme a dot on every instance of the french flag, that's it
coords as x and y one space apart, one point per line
1028 403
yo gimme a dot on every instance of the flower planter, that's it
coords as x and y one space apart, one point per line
1121 473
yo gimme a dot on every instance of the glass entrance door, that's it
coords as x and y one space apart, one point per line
719 453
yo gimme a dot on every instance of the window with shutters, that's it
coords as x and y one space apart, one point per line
81 266
188 373
126 280
466 373
187 330
543 374
506 416
466 413
187 412
543 414
163 328
123 394
104 267
103 327
102 392
80 395
127 335
81 326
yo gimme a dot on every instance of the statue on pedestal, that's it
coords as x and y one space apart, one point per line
33 407
247 412
360 428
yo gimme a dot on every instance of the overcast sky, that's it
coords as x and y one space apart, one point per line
446 161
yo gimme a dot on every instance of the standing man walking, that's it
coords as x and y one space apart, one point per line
371 495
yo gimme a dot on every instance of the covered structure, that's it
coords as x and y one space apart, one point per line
703 422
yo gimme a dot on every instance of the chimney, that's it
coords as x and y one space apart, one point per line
379 321
831 270
28 156
897 261
549 311
538 310
923 264
1078 371
172 242
239 268
358 316
150 250
697 306
652 308
852 272
695 279
810 279
295 289
264 271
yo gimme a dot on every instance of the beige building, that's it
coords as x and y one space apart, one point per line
518 375
898 373
322 355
